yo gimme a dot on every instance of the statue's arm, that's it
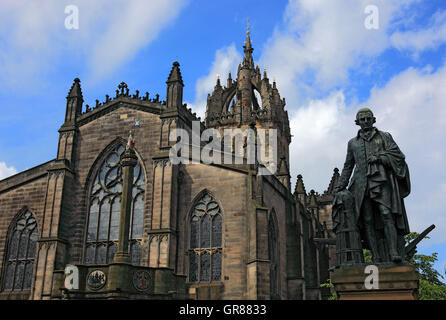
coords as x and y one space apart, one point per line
392 151
349 164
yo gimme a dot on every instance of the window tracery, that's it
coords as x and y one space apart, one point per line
104 212
20 255
205 245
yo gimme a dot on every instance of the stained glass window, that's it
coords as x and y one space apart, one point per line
104 212
20 254
205 245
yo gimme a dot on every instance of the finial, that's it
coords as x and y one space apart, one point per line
247 28
123 86
75 90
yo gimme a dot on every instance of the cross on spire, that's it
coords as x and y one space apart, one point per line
122 86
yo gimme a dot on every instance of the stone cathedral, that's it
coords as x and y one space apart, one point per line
194 231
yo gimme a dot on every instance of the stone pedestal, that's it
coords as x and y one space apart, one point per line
397 282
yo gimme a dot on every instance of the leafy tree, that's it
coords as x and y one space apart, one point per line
431 286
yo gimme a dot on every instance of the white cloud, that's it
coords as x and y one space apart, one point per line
110 33
411 107
134 26
312 55
6 171
226 60
423 39
320 132
322 40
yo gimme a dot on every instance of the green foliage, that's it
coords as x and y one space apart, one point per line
328 284
431 286
430 291
367 255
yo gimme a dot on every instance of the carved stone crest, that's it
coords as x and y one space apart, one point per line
141 280
96 279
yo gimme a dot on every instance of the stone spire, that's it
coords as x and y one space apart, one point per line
299 190
175 74
75 91
248 61
74 102
333 182
312 202
312 205
174 96
229 82
218 84
283 173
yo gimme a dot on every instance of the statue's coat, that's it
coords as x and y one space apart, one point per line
392 174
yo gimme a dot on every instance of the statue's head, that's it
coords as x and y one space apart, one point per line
365 118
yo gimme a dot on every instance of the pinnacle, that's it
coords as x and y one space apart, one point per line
247 59
75 90
300 187
175 74
283 168
333 181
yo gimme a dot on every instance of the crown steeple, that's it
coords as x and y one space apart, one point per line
251 98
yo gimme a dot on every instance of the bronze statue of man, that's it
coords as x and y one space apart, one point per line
379 184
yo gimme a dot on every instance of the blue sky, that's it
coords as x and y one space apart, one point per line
326 63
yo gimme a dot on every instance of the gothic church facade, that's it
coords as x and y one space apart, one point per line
228 231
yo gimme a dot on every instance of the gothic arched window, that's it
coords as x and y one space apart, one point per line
20 253
205 246
104 212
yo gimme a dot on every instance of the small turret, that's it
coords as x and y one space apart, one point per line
175 86
312 201
283 173
333 182
299 191
229 83
74 102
